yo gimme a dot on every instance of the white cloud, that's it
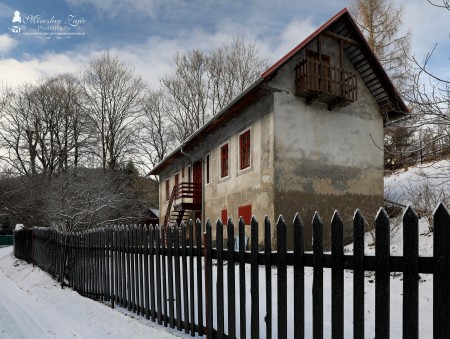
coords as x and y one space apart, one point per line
6 44
15 72
116 8
428 25
294 33
153 59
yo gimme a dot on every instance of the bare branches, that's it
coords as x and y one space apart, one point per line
156 133
112 101
203 84
380 22
445 4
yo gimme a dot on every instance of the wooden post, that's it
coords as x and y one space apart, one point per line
358 275
242 303
299 279
317 289
441 273
268 267
219 284
208 282
337 277
281 278
231 281
254 280
382 275
410 274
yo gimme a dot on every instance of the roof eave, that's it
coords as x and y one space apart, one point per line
178 151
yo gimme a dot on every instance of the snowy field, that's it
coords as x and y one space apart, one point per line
33 305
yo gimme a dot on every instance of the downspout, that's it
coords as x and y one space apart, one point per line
203 185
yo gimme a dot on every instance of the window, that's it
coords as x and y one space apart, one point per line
167 189
177 179
246 213
224 216
207 169
224 161
244 150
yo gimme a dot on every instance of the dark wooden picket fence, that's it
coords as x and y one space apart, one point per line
182 285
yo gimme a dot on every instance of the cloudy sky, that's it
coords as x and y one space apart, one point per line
56 36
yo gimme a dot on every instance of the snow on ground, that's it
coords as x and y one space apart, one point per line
33 305
402 184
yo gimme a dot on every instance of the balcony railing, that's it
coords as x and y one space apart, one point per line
188 192
184 196
323 82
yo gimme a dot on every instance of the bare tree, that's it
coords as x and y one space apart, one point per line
430 95
91 199
156 134
43 127
17 137
74 132
203 83
380 22
112 94
5 97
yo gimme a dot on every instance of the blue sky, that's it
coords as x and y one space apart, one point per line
147 33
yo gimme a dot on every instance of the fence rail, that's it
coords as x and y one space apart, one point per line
188 286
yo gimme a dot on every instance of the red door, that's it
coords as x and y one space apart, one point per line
197 180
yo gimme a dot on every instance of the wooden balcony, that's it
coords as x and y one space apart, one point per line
325 83
188 196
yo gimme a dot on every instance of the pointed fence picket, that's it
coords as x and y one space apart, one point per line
176 280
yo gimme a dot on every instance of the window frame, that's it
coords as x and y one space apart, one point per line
247 146
167 189
207 169
223 174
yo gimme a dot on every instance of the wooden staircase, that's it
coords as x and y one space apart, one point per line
184 199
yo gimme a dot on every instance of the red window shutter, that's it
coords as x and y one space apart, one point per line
246 213
224 216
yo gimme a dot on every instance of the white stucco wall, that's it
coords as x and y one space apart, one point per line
326 160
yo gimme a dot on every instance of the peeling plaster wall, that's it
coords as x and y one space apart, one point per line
326 160
251 186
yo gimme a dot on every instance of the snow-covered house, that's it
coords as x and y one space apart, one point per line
306 136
